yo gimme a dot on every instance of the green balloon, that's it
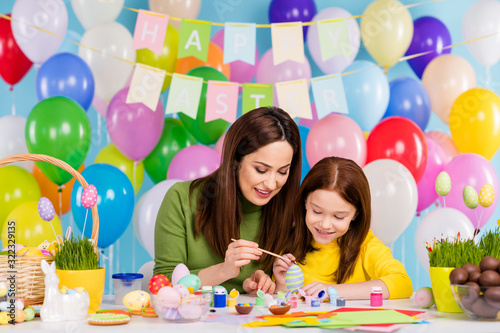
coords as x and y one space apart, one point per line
174 138
58 127
205 133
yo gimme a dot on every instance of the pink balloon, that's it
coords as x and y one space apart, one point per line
193 162
436 160
219 144
100 105
89 197
445 142
310 122
286 71
473 170
336 135
134 128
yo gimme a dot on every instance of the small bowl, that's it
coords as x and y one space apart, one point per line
188 311
481 303
280 310
243 309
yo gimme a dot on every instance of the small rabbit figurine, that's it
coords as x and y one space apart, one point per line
52 304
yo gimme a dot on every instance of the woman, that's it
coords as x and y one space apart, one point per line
248 198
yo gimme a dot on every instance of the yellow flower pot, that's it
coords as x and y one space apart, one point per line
441 288
91 280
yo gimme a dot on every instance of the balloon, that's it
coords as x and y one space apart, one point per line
66 74
336 135
18 186
69 45
474 122
337 63
100 105
409 99
110 72
89 196
115 202
13 63
134 128
445 142
12 139
168 57
304 133
394 198
46 209
220 143
292 11
193 162
215 60
429 34
481 19
148 211
205 132
111 155
58 127
135 219
435 164
310 122
174 138
36 44
93 12
399 139
182 9
473 170
445 78
147 271
366 92
288 70
386 31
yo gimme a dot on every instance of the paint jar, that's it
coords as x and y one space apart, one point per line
376 296
340 301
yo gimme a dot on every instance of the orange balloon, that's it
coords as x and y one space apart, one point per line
50 190
215 59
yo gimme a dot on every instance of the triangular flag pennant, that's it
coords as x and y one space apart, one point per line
239 42
184 95
222 101
329 95
288 42
145 86
334 38
293 97
256 95
194 39
150 30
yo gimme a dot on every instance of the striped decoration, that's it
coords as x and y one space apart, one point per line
294 278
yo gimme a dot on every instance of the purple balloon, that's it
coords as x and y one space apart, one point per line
429 34
193 162
134 128
292 11
436 160
46 209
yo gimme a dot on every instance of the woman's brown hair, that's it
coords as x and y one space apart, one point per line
218 215
346 178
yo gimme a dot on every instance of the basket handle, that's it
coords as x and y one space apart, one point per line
65 166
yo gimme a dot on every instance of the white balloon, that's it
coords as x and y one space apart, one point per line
93 12
109 70
394 198
147 271
135 219
440 223
13 140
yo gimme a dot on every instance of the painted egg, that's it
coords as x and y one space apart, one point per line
16 247
486 195
179 272
424 297
470 197
89 196
46 209
294 278
30 313
157 282
443 183
4 306
19 303
20 316
29 251
183 291
168 297
171 313
5 318
190 281
135 300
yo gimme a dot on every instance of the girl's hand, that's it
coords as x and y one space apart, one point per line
259 280
280 267
313 289
239 254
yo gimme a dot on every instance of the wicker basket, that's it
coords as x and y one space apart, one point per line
29 278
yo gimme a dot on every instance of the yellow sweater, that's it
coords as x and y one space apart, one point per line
375 261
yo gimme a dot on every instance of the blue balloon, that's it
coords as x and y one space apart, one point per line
292 11
366 92
115 202
409 99
66 74
304 132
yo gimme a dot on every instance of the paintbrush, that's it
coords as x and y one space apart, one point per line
271 253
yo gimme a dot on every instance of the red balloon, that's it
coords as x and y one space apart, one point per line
399 139
13 63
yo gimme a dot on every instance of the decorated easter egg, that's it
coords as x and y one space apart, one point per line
30 313
486 195
168 297
190 281
179 272
424 297
5 318
29 251
89 196
19 303
171 313
135 300
19 316
4 306
470 197
46 209
183 291
157 282
443 183
294 278
16 247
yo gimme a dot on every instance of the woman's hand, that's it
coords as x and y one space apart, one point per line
312 289
280 267
239 254
259 280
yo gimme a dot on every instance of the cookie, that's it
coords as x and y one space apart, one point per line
135 312
115 312
108 319
149 312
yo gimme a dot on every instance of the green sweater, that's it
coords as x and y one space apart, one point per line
175 242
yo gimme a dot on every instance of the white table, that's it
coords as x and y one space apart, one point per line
449 322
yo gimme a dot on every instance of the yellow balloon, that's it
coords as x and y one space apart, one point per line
386 31
474 122
111 155
29 228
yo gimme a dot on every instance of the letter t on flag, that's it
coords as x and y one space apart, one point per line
184 95
150 30
222 101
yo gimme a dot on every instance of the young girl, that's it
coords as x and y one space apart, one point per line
332 240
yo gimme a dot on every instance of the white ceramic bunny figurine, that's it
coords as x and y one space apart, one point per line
52 304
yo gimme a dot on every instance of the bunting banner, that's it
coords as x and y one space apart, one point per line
239 42
288 42
222 101
329 95
146 85
194 39
184 95
150 30
334 39
256 95
293 97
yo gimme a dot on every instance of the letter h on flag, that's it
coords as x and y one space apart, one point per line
150 30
